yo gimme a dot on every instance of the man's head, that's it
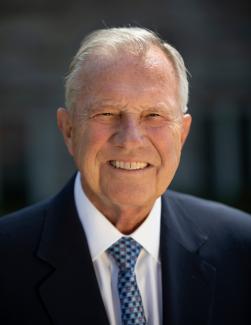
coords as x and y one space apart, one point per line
108 43
125 123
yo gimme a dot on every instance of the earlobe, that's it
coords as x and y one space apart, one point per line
65 126
187 121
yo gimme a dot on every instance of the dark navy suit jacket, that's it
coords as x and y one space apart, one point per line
47 276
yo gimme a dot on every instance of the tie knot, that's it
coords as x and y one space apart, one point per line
125 252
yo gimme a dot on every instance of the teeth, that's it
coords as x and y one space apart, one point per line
128 165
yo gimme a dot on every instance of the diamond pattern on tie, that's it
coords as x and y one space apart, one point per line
125 252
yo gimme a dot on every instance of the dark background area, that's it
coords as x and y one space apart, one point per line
38 39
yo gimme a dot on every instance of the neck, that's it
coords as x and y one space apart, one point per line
127 221
125 218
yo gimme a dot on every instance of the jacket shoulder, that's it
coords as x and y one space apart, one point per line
24 225
226 230
23 228
190 202
217 219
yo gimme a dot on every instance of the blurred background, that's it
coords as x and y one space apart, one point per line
37 41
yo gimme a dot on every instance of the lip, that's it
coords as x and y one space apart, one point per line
129 166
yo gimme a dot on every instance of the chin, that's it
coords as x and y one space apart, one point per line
133 200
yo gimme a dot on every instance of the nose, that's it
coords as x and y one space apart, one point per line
129 134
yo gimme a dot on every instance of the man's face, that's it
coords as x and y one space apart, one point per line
127 131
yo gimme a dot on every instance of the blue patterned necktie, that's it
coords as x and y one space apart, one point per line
125 252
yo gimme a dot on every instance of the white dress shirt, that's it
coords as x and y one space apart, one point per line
101 234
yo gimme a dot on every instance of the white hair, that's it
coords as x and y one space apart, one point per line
110 41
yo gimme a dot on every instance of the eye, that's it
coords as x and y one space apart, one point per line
106 114
103 115
106 117
154 119
153 115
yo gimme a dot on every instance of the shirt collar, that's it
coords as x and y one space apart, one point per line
101 233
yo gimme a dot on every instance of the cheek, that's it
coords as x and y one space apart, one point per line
169 149
88 145
80 146
167 139
168 145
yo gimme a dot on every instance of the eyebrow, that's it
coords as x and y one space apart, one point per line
98 105
159 106
101 104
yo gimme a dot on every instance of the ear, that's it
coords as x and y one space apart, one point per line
64 120
186 124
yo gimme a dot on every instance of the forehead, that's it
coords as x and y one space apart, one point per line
154 63
129 77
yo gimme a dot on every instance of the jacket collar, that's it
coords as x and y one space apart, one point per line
70 292
187 278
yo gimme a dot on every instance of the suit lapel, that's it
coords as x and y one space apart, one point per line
187 279
70 292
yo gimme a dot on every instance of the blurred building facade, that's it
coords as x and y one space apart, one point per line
38 40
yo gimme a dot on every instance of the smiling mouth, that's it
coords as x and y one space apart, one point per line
135 165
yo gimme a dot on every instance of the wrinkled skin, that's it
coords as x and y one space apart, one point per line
130 113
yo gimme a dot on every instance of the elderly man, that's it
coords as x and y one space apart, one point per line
115 246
